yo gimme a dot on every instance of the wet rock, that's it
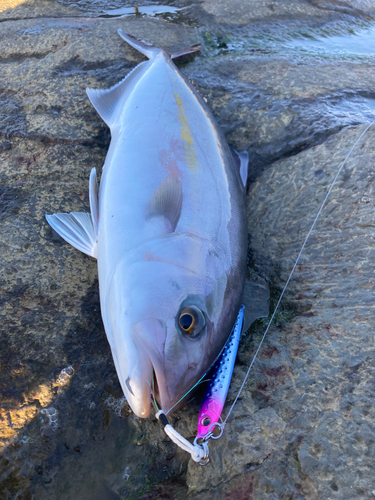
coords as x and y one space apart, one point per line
356 8
303 425
50 63
274 108
26 9
248 444
330 362
238 12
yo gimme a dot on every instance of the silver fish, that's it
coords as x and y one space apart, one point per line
168 229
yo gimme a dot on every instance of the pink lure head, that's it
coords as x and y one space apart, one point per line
209 414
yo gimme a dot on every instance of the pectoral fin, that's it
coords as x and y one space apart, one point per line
77 229
167 201
242 162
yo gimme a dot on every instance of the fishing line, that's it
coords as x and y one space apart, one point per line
200 381
153 390
179 401
291 273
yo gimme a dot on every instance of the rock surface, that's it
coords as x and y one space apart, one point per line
315 371
304 424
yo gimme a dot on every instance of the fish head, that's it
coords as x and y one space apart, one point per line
167 319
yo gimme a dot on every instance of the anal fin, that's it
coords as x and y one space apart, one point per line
77 229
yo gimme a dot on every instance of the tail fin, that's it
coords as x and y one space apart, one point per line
146 48
150 50
188 50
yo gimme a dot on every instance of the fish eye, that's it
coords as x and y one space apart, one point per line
186 320
191 321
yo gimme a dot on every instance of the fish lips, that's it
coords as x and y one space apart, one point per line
135 374
171 378
149 337
141 364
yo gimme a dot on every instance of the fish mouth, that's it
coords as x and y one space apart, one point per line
160 394
139 366
164 394
138 396
160 398
149 374
155 393
135 375
150 339
143 394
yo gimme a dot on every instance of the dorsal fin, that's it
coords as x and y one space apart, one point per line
167 201
94 200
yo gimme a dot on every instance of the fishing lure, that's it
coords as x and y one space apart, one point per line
213 400
217 389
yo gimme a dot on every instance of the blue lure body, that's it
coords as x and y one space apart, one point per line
220 377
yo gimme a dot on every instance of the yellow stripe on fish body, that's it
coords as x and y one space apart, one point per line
190 156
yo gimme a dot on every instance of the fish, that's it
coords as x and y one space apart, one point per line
167 226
